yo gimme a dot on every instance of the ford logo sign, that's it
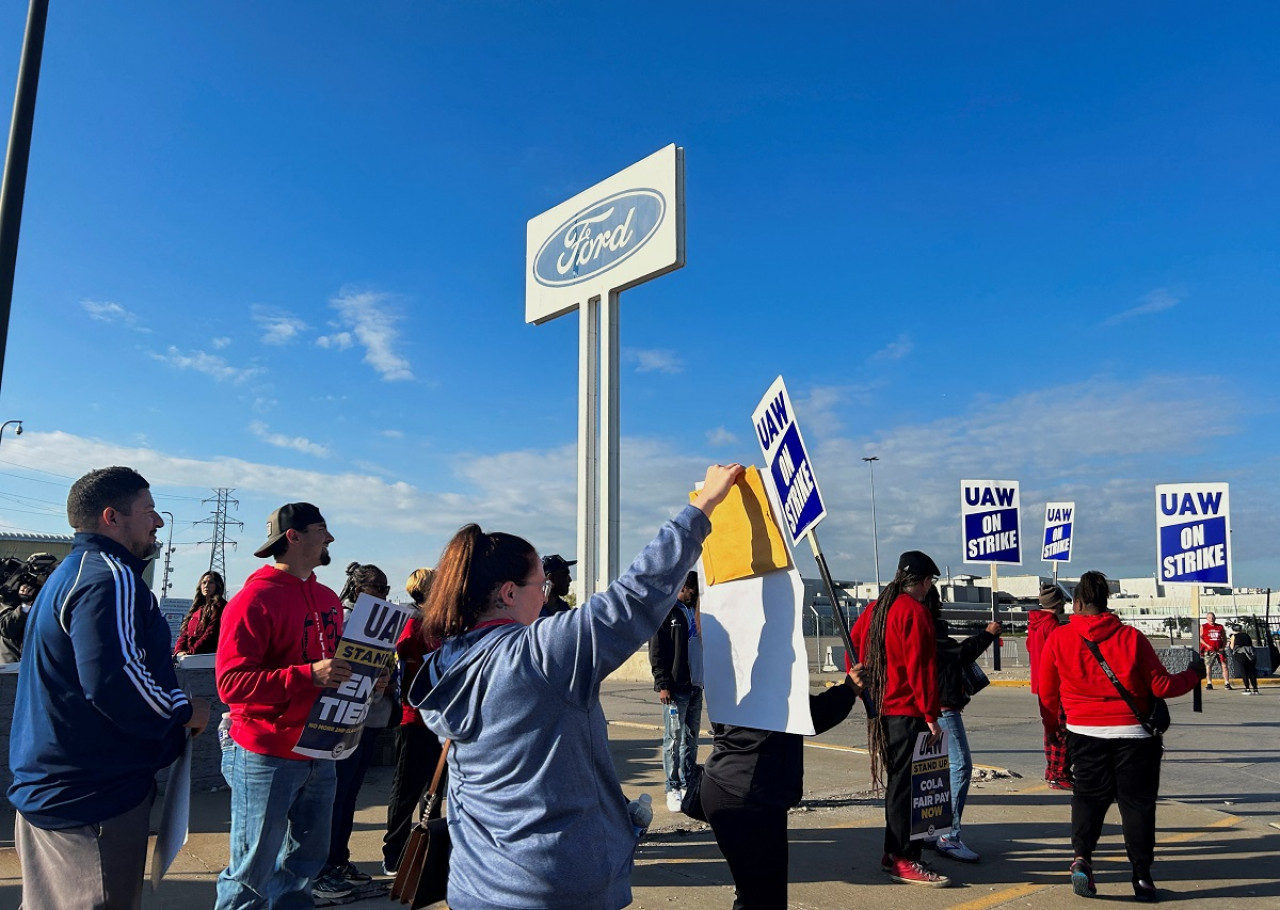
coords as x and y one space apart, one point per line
598 238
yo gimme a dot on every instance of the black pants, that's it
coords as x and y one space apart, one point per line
1123 771
900 738
753 839
1248 668
417 752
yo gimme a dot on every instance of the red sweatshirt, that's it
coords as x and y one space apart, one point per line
272 631
1071 676
1040 625
911 684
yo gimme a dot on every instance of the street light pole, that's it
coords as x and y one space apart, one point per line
17 432
875 531
168 551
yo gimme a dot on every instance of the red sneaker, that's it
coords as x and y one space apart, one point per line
913 872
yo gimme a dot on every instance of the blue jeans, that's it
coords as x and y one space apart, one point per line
680 737
961 765
280 815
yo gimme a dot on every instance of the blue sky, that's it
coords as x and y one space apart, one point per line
280 248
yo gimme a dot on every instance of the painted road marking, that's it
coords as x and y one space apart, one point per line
1000 897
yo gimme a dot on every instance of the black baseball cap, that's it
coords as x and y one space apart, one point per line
295 516
913 562
555 562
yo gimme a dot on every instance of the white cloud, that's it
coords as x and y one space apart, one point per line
895 350
720 436
296 443
653 361
339 341
111 312
209 364
373 324
219 343
1156 301
278 327
393 434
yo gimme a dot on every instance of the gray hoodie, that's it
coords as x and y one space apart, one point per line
536 813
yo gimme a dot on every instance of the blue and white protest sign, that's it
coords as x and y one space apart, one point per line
1193 533
789 467
1059 517
989 514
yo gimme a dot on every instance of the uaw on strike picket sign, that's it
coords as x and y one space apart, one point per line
989 512
1058 520
369 645
1193 533
789 466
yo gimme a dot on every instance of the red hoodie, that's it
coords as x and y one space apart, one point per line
272 631
911 684
1040 625
1071 675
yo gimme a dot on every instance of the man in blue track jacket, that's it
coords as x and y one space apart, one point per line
98 709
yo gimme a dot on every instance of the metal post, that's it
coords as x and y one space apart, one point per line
14 187
817 632
607 568
168 552
995 614
1197 696
588 444
875 531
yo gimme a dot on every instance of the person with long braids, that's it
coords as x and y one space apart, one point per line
200 626
895 641
537 817
339 874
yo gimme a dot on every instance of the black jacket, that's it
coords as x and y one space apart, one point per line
953 657
767 766
669 654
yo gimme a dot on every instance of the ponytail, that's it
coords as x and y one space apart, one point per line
473 566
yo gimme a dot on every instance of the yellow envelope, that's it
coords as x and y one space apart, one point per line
745 539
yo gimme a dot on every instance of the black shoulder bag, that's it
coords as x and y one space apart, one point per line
1158 721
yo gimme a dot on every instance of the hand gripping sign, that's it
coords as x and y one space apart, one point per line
1193 533
989 510
369 645
1059 518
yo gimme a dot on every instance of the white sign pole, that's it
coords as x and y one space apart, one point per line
607 567
588 441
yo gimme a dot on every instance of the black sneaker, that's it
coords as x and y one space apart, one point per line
1082 879
330 886
352 874
1144 892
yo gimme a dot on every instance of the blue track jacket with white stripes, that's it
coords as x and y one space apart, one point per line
98 709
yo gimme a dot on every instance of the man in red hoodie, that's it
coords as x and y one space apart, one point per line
275 656
895 641
1040 625
1114 756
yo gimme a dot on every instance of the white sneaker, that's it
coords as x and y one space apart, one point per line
674 797
956 850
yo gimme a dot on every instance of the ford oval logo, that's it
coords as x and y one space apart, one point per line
598 238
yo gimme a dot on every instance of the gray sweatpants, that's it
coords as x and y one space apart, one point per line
92 867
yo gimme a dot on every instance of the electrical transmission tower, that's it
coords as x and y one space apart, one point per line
217 554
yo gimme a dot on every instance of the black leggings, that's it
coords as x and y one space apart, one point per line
900 739
1122 771
753 839
1248 668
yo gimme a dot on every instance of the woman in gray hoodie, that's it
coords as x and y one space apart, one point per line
536 813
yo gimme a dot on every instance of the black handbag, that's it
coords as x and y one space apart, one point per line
974 679
691 802
1155 723
422 877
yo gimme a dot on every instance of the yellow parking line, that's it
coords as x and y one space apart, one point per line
1185 836
999 897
